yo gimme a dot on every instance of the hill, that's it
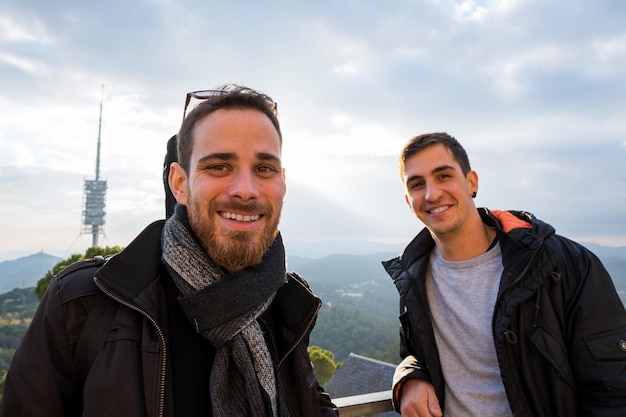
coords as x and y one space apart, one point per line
360 310
25 272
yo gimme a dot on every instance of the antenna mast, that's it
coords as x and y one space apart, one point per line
95 195
99 132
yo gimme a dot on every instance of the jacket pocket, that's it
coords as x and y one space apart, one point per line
554 351
608 351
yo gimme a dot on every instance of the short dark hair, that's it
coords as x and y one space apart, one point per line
228 96
418 143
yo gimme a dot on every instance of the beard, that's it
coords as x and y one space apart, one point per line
232 249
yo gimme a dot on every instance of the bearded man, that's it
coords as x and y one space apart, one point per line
208 320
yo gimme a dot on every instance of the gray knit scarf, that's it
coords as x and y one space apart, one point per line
224 309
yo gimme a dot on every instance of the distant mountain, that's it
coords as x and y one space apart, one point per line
604 252
294 261
25 272
342 269
301 251
338 269
321 248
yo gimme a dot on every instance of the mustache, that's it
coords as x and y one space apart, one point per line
248 208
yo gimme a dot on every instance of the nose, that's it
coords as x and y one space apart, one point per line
244 185
433 192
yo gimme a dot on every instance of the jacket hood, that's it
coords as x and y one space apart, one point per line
520 225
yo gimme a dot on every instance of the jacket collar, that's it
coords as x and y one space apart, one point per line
295 304
515 229
131 271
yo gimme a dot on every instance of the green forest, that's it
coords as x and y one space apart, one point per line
17 308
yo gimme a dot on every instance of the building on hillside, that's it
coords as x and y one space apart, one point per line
361 375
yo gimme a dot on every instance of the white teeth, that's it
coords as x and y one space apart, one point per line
239 217
439 210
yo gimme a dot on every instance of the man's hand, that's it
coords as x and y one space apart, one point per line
418 399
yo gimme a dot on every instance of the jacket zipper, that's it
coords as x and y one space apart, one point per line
161 337
508 287
513 283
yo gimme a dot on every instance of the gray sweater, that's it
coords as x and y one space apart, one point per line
462 296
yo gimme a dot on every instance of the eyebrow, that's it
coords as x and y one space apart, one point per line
231 156
263 156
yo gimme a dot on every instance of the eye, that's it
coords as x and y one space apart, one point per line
415 185
267 170
217 170
444 176
216 167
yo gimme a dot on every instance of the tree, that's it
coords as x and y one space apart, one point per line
324 365
389 355
3 377
42 284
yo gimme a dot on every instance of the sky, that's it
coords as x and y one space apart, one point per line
534 90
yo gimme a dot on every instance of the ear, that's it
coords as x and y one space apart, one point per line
284 184
178 183
472 182
408 202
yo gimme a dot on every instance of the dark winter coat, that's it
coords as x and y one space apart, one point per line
559 326
130 376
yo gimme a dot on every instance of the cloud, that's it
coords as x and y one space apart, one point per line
533 89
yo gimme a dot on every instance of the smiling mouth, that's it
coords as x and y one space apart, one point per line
240 217
439 210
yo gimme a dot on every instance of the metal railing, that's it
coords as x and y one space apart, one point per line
365 404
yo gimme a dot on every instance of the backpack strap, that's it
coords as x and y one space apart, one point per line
92 338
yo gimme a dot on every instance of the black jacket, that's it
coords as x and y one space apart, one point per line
131 374
559 326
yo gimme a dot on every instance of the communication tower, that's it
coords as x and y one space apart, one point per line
95 196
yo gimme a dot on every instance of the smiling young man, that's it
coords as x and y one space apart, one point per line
208 321
499 315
